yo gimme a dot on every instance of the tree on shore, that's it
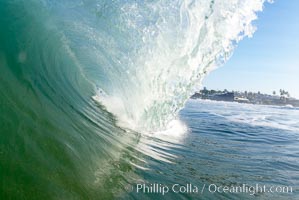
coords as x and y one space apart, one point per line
284 93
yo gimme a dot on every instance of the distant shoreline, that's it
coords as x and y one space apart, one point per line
283 99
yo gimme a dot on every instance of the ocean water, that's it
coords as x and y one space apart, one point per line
94 102
227 144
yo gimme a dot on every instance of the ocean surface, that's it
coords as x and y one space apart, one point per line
94 103
227 144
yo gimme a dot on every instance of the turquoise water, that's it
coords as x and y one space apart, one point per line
91 93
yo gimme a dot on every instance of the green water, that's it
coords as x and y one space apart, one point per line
139 58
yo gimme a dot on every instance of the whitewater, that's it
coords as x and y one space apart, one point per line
94 94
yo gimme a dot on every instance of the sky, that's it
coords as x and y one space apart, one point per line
270 59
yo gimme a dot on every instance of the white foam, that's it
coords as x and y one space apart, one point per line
162 54
116 106
174 129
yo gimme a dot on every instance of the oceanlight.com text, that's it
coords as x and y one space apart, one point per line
163 189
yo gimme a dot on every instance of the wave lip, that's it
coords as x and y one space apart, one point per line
140 59
160 52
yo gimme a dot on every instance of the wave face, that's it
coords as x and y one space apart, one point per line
140 60
159 52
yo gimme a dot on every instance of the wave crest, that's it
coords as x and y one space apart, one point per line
161 51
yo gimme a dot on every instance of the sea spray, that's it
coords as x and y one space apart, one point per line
162 50
141 59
